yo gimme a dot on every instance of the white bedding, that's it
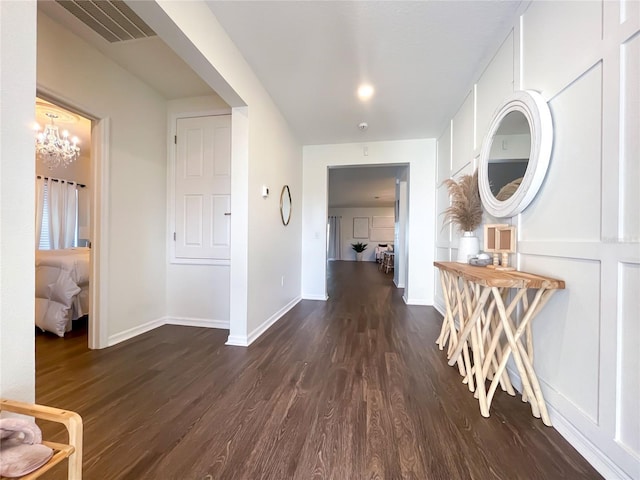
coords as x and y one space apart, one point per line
62 288
74 260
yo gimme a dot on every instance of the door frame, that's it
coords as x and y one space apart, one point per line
98 286
172 126
99 212
172 155
402 249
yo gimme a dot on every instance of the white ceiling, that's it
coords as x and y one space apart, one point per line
149 59
420 56
363 186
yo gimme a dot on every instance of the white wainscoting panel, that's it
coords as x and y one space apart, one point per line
630 12
572 185
495 85
444 155
378 221
584 225
443 232
442 255
567 331
560 41
628 421
630 158
462 149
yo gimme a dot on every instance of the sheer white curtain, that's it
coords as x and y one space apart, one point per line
63 208
334 249
39 207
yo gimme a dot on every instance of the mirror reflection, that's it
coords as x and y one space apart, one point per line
509 155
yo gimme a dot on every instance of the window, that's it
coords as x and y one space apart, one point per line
45 240
45 243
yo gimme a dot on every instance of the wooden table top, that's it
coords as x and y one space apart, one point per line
490 277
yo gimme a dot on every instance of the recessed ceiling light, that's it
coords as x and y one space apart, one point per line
365 92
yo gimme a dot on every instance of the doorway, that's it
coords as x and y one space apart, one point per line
87 174
367 206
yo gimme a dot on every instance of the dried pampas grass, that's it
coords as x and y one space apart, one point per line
466 206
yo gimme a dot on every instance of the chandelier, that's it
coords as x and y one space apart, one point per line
54 150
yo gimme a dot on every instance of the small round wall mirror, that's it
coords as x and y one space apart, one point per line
285 205
515 154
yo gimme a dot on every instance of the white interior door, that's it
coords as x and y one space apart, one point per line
203 188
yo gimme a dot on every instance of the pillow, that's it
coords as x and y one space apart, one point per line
63 289
45 275
509 189
52 316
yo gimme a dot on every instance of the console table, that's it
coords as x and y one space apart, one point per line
483 327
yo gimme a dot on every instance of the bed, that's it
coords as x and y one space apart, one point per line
62 288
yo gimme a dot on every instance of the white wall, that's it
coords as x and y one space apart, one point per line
401 226
72 70
583 226
348 214
420 156
265 255
196 294
17 204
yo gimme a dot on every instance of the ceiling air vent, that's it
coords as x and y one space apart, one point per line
112 19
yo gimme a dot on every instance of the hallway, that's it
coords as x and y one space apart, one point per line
348 389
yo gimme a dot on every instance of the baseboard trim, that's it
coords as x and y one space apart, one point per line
398 285
255 334
322 298
198 322
416 301
237 341
135 331
183 321
591 453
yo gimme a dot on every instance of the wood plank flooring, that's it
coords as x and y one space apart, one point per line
352 388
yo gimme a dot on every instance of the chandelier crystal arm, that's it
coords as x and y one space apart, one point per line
54 150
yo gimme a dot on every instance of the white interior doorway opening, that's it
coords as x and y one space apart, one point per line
368 204
420 156
93 213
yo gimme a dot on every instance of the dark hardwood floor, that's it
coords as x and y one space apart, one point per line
352 388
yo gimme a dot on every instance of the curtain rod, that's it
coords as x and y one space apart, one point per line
81 185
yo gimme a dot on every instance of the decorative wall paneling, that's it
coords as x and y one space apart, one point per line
444 155
494 87
584 58
463 134
630 115
577 113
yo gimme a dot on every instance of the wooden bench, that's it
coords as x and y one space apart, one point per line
73 423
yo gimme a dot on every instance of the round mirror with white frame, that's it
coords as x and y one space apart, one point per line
515 154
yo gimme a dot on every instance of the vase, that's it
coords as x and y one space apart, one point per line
469 246
359 256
